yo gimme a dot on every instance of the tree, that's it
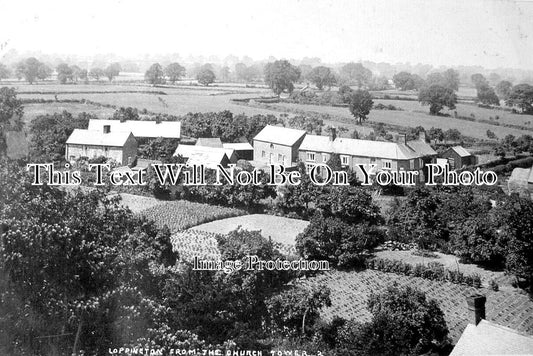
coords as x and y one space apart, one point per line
96 73
404 81
437 97
322 76
515 227
11 111
64 73
29 69
452 135
295 311
360 103
126 114
491 135
154 75
112 71
478 79
451 79
281 76
174 71
206 76
404 322
355 74
486 95
436 134
522 96
44 72
435 79
225 74
4 72
503 89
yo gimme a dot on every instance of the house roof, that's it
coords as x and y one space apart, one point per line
151 129
280 135
238 146
98 138
209 142
488 338
461 151
208 156
365 148
422 147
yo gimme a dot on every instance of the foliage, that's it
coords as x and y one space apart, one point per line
112 71
486 95
322 77
4 71
503 89
174 71
64 73
154 75
32 69
75 260
355 74
11 111
96 73
49 134
126 114
281 76
205 76
437 97
478 79
404 322
296 311
360 103
522 96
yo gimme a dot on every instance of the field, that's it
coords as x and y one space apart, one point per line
450 262
137 203
350 292
181 215
191 243
280 229
183 98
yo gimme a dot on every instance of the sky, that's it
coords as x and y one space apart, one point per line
489 33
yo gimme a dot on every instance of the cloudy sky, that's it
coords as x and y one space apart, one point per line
491 33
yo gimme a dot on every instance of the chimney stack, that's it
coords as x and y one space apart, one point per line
476 306
402 138
107 129
333 134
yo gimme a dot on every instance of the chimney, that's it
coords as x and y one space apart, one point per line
332 134
476 306
107 129
402 138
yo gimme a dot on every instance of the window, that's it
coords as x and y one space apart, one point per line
325 157
308 168
412 164
344 160
280 157
386 164
284 161
263 154
311 156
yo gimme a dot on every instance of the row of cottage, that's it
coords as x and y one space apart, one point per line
273 145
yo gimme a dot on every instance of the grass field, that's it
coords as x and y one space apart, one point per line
138 203
350 292
280 229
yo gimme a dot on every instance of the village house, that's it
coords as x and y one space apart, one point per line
140 129
120 146
458 157
277 145
392 156
234 151
210 157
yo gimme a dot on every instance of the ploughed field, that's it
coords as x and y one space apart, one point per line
350 292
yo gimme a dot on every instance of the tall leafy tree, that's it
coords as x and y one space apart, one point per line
11 111
486 95
355 74
281 76
360 103
174 71
154 74
206 76
437 97
521 96
322 76
503 89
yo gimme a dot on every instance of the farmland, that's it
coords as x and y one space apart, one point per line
181 215
350 292
280 229
192 243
